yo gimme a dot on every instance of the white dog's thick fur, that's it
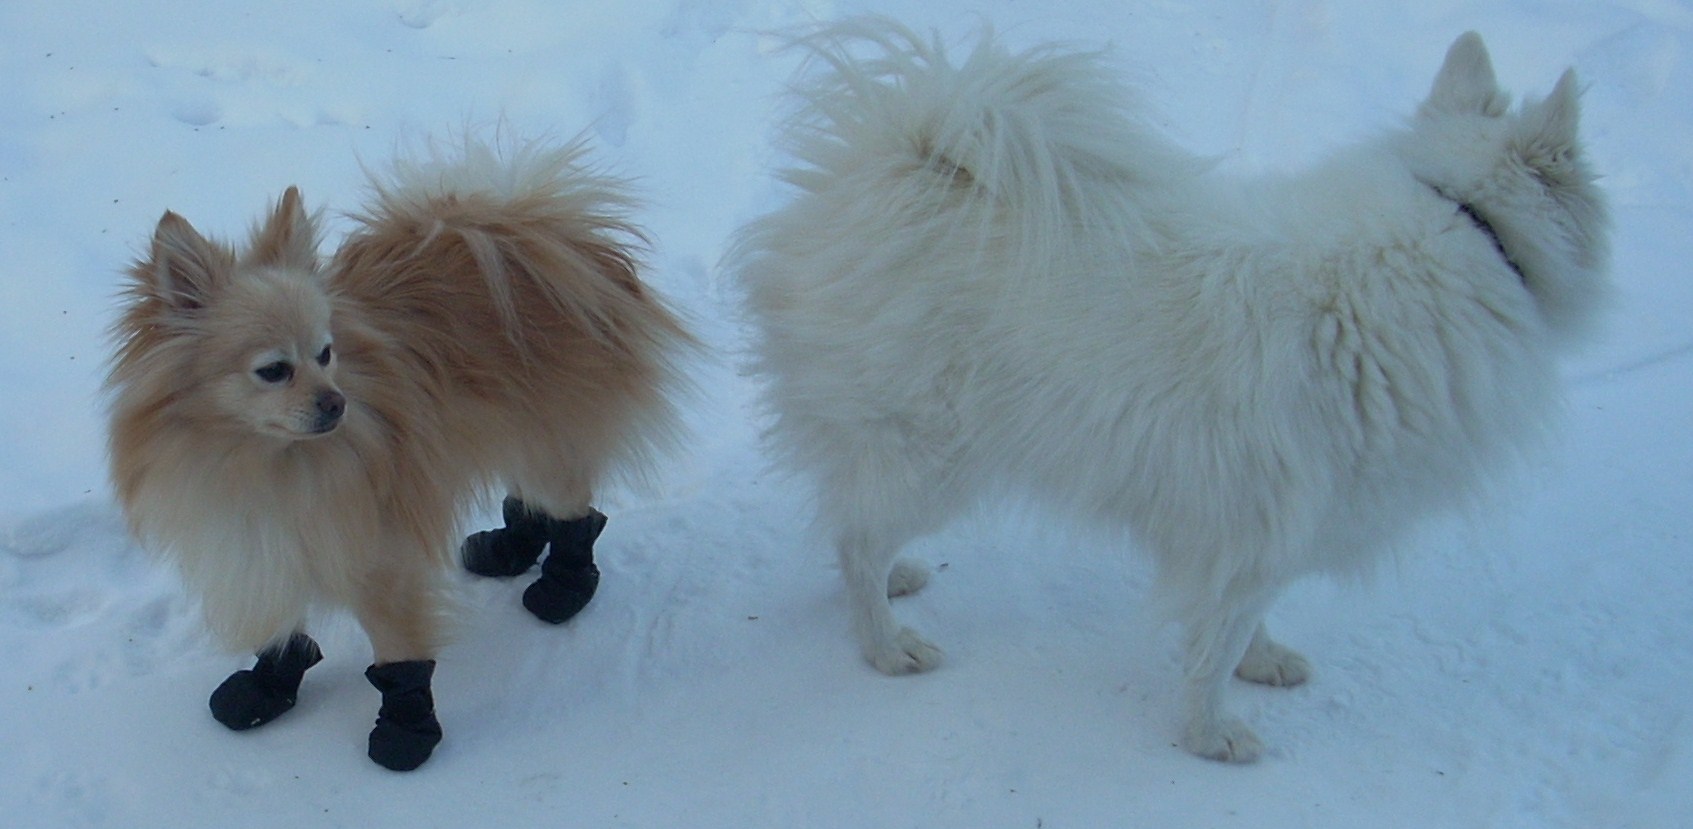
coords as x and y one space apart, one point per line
995 276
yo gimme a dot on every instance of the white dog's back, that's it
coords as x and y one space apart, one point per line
995 274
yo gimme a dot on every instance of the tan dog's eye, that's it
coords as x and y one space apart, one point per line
277 372
323 356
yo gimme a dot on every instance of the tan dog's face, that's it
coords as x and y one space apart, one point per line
296 394
271 357
256 327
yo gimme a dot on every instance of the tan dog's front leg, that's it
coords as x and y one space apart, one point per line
399 609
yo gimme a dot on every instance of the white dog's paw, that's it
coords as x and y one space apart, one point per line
907 578
1225 739
1276 665
905 653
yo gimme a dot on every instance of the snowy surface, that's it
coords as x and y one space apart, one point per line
1529 666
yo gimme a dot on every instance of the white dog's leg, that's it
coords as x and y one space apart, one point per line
1268 662
908 577
891 647
1217 639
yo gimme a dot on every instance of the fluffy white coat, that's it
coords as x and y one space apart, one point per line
994 276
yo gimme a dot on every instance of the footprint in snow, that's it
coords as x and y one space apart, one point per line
421 14
54 609
614 100
237 85
197 113
81 798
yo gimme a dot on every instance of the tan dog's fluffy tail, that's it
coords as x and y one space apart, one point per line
507 276
527 216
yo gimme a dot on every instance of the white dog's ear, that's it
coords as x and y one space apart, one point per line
1557 119
288 238
185 268
1466 84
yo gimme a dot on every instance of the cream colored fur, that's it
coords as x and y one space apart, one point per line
486 327
994 276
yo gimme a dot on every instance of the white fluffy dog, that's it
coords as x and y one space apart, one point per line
995 276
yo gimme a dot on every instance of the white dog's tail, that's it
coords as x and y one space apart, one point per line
1026 148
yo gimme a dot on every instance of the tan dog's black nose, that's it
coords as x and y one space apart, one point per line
331 405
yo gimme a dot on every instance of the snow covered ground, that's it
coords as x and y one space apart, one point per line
1531 666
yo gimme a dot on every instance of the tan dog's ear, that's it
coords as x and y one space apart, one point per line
288 239
185 268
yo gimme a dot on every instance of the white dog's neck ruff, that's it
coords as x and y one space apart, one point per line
1486 228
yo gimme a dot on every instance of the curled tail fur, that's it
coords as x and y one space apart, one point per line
524 244
1046 137
532 221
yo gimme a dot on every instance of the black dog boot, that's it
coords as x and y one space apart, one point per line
248 699
510 550
406 730
568 576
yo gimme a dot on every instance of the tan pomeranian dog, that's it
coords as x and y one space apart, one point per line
294 434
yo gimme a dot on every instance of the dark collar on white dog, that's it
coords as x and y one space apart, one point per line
1487 230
